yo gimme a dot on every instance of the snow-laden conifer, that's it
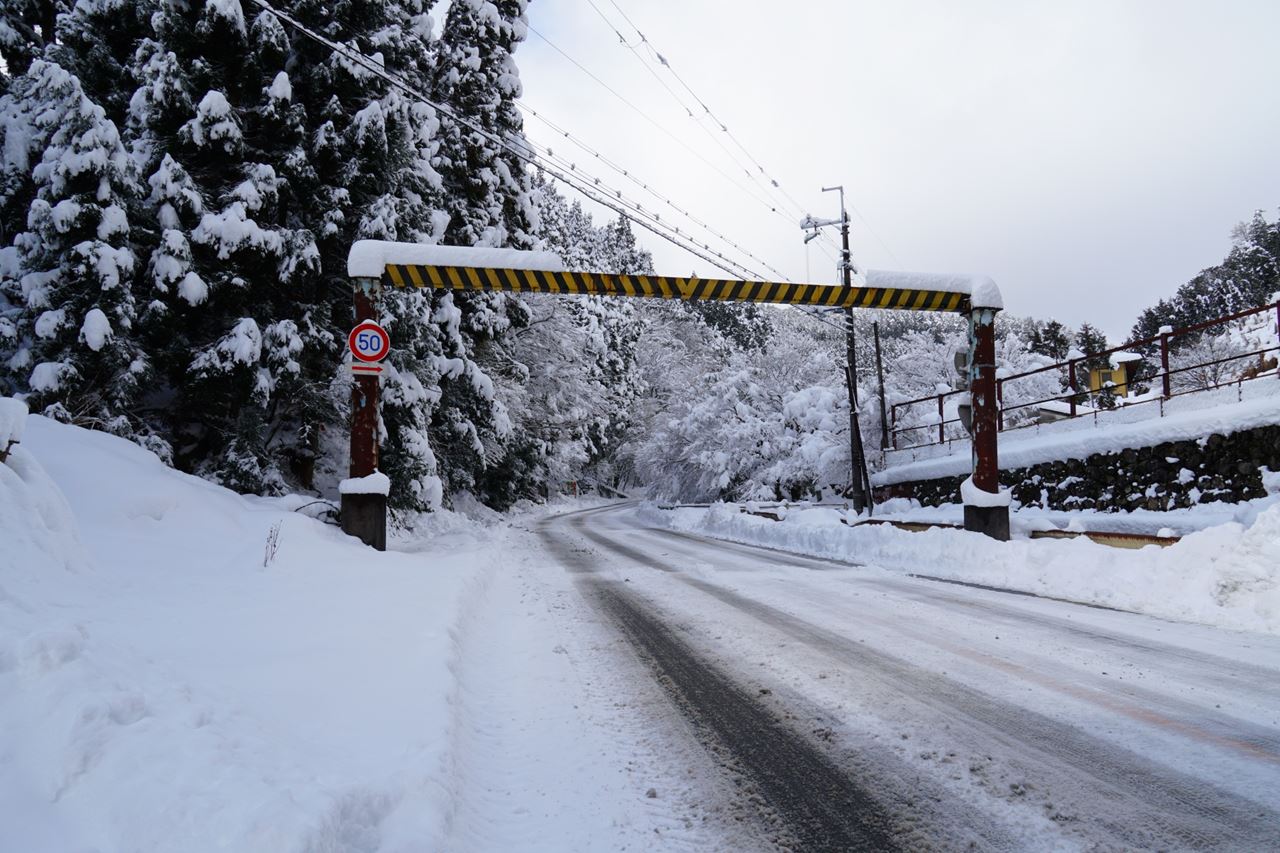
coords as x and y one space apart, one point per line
74 338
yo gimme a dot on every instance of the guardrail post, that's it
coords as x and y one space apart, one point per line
991 520
1000 402
942 427
1074 384
365 515
1167 387
893 415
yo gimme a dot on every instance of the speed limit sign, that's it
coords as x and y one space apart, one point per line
369 342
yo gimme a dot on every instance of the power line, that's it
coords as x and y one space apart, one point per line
675 95
622 206
644 185
706 110
662 60
772 206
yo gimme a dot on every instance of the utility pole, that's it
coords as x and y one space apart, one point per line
884 418
859 481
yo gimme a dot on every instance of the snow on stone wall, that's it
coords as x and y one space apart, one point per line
1171 475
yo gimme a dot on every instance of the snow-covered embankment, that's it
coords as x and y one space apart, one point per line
184 668
1227 575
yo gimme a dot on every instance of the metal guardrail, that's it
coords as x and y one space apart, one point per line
1076 399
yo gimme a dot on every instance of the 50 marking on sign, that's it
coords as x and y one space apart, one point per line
369 342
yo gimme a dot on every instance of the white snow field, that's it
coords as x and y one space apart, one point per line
183 668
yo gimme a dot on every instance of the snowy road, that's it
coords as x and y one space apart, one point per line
843 707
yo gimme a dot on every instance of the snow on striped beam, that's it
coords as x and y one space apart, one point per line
451 267
981 290
370 258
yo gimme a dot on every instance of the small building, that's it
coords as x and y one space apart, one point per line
1116 375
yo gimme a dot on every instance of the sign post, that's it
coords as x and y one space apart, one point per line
364 510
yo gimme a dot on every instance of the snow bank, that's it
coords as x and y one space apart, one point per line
214 672
13 419
368 258
37 528
376 483
982 291
1228 575
974 496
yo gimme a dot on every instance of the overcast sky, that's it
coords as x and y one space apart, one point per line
1089 156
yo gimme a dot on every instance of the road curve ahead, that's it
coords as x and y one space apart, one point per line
858 709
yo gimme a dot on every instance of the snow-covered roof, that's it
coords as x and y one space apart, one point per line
982 291
1119 358
1063 407
368 258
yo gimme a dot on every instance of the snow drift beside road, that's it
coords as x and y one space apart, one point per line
1228 575
163 689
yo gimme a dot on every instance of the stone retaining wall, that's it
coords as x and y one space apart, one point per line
1166 476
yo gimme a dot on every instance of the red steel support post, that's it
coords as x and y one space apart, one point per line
942 429
993 520
365 515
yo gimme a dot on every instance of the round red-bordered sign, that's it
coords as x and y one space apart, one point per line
369 342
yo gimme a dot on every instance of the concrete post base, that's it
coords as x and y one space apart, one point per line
991 520
365 517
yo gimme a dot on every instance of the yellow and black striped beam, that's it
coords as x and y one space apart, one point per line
664 287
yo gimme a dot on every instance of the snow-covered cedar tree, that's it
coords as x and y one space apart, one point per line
76 336
1051 339
487 193
1245 279
477 79
26 28
570 378
96 41
758 427
233 272
372 155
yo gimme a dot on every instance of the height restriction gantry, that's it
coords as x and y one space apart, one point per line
376 265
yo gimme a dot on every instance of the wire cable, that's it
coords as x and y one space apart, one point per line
619 205
675 95
771 205
662 60
644 185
